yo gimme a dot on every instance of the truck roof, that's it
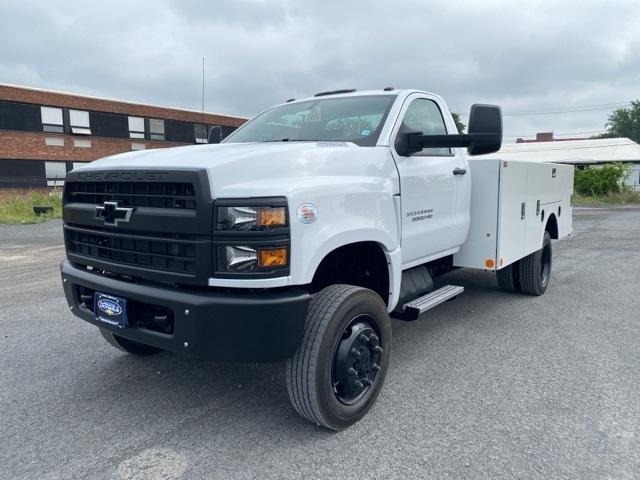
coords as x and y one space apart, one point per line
356 93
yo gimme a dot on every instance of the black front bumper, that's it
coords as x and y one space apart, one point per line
218 325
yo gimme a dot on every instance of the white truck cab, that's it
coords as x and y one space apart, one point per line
302 233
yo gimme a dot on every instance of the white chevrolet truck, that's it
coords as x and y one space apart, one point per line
303 233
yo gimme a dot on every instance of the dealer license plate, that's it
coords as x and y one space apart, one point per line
110 309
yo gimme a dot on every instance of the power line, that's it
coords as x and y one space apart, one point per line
556 134
585 108
559 112
569 148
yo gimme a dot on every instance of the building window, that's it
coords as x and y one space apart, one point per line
138 146
136 127
55 173
82 143
54 141
79 120
52 119
156 129
200 133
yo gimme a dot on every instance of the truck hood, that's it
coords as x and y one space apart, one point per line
256 169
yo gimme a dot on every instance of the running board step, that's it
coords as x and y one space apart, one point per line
413 309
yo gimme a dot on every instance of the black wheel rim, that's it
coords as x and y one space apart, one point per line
356 361
545 267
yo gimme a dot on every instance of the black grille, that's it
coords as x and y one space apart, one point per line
174 253
133 194
167 236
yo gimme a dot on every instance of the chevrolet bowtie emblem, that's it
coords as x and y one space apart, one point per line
112 213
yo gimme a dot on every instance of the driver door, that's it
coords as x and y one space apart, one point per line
434 200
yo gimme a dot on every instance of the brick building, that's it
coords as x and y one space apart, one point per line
546 137
44 133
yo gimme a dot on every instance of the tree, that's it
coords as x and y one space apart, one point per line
624 122
456 118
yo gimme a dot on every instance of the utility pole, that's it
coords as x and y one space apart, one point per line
203 90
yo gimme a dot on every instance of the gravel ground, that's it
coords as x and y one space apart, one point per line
490 386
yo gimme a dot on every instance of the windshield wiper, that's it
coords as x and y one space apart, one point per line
291 140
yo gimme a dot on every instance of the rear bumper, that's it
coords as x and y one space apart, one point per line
218 325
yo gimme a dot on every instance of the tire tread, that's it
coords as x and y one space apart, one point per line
529 273
301 369
507 278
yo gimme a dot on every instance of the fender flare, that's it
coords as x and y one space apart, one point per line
392 254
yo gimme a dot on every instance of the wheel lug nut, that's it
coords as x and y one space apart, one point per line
374 339
358 384
356 354
375 367
363 338
378 349
352 371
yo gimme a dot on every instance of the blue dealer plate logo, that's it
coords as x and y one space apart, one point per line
307 213
109 307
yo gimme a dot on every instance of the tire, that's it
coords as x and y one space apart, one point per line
508 278
126 345
322 377
535 269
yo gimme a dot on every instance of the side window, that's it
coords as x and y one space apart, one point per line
424 116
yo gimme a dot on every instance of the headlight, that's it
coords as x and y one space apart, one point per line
243 259
250 218
251 237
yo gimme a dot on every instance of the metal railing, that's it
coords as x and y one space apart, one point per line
30 182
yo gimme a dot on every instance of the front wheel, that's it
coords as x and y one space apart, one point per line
337 373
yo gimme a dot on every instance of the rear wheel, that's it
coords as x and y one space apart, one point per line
337 373
508 278
535 269
126 345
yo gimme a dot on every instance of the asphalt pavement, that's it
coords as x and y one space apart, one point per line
490 386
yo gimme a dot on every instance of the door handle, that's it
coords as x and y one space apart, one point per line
459 171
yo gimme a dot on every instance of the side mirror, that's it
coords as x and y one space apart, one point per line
215 134
485 120
485 134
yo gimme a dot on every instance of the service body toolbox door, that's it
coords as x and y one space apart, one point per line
511 201
497 231
512 213
549 189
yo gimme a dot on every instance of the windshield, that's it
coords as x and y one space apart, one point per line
357 119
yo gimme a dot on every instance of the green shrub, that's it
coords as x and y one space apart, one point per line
19 208
609 199
598 181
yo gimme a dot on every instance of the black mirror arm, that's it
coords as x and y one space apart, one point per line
418 141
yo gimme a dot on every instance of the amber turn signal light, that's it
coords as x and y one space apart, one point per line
272 217
276 257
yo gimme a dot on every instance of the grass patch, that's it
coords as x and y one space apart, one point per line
608 199
19 208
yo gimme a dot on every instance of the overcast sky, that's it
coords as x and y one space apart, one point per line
525 56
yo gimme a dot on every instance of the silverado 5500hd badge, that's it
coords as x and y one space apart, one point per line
417 215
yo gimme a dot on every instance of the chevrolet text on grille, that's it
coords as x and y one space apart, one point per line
130 175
